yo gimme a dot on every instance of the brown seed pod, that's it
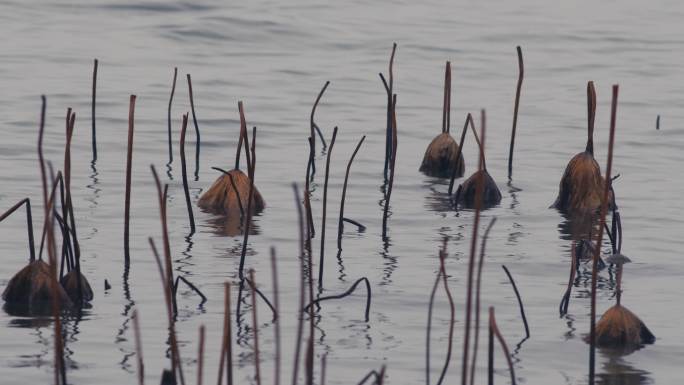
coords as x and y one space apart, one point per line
70 284
620 328
222 198
581 187
30 290
480 182
491 195
442 157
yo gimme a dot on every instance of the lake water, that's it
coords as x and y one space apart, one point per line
275 56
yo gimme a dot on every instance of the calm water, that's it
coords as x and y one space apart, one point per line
275 57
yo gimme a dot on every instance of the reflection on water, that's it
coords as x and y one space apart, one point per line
615 370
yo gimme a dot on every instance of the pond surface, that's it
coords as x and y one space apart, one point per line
275 56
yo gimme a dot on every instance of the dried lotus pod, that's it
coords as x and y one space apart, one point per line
229 197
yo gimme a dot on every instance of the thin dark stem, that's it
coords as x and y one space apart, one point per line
226 345
565 301
138 347
469 120
597 251
446 108
243 138
255 325
184 172
129 165
310 230
392 164
389 88
276 303
250 198
168 276
173 91
340 224
452 320
345 294
313 113
471 261
70 208
361 227
41 161
325 207
429 326
29 224
480 144
92 109
190 285
320 135
200 355
480 264
175 353
324 358
197 132
265 299
490 355
371 374
521 72
300 317
591 115
502 342
520 303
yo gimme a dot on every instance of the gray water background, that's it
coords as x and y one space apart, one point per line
275 56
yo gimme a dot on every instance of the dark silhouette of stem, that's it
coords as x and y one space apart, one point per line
392 163
138 347
471 261
226 345
446 108
469 120
313 128
502 342
92 109
168 276
565 301
250 197
255 325
520 303
29 224
175 353
340 224
480 263
243 137
197 132
190 285
591 116
184 172
597 251
521 72
389 89
300 316
173 91
200 355
129 164
276 302
345 294
325 207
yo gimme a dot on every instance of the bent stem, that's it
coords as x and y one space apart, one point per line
521 72
325 206
340 224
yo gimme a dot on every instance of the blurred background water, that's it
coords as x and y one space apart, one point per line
275 56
